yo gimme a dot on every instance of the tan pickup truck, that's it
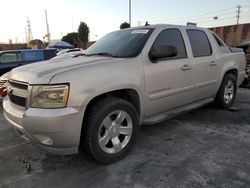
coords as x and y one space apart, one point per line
98 100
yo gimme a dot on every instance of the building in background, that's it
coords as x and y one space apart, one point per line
13 46
233 34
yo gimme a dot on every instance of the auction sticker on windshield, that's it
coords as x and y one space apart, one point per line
140 31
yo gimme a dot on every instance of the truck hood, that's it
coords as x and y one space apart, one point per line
43 72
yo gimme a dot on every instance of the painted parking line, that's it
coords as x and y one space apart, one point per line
12 146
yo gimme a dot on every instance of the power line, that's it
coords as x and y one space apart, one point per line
201 19
224 18
208 15
198 15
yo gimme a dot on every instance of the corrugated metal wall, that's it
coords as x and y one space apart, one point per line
233 34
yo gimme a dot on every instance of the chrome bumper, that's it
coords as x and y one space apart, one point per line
55 130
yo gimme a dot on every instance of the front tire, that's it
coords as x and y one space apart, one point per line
110 129
227 92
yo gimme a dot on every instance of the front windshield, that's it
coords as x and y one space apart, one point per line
122 43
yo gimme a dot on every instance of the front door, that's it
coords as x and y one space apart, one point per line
170 81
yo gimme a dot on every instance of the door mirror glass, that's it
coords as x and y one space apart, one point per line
162 52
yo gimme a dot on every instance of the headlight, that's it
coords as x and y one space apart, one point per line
49 96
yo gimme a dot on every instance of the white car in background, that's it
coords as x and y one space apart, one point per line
64 51
69 54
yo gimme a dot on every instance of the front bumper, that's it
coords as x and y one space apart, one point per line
55 130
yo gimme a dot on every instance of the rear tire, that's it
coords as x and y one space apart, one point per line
227 92
109 130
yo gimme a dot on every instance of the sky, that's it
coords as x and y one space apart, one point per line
103 16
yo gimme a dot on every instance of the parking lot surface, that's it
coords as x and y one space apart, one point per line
207 147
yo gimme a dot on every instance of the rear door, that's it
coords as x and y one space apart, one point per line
9 60
204 63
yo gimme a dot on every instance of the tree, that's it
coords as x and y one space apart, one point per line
124 25
83 33
71 38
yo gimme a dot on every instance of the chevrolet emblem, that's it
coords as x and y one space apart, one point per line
9 89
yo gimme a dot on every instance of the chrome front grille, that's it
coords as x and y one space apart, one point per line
18 92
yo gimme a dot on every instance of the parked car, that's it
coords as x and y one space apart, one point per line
130 77
14 58
64 51
68 54
246 47
4 77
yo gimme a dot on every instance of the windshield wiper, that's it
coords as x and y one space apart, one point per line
104 54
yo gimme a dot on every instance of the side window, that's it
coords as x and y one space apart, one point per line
171 37
199 43
10 57
48 54
218 40
33 56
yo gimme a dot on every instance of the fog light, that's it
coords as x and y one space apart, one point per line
44 139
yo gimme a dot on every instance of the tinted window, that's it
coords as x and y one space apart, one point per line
10 57
171 37
219 42
199 43
122 43
48 54
33 56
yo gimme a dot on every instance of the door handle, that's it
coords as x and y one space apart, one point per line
212 63
186 67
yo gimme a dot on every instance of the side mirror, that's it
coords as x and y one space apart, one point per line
162 52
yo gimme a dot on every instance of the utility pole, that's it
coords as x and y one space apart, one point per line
238 14
47 26
26 36
30 37
130 13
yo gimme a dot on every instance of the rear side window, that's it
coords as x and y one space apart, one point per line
10 57
171 37
218 40
33 56
199 43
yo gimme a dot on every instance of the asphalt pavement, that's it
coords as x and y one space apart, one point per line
207 147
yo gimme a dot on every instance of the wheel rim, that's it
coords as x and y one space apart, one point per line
229 92
115 132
